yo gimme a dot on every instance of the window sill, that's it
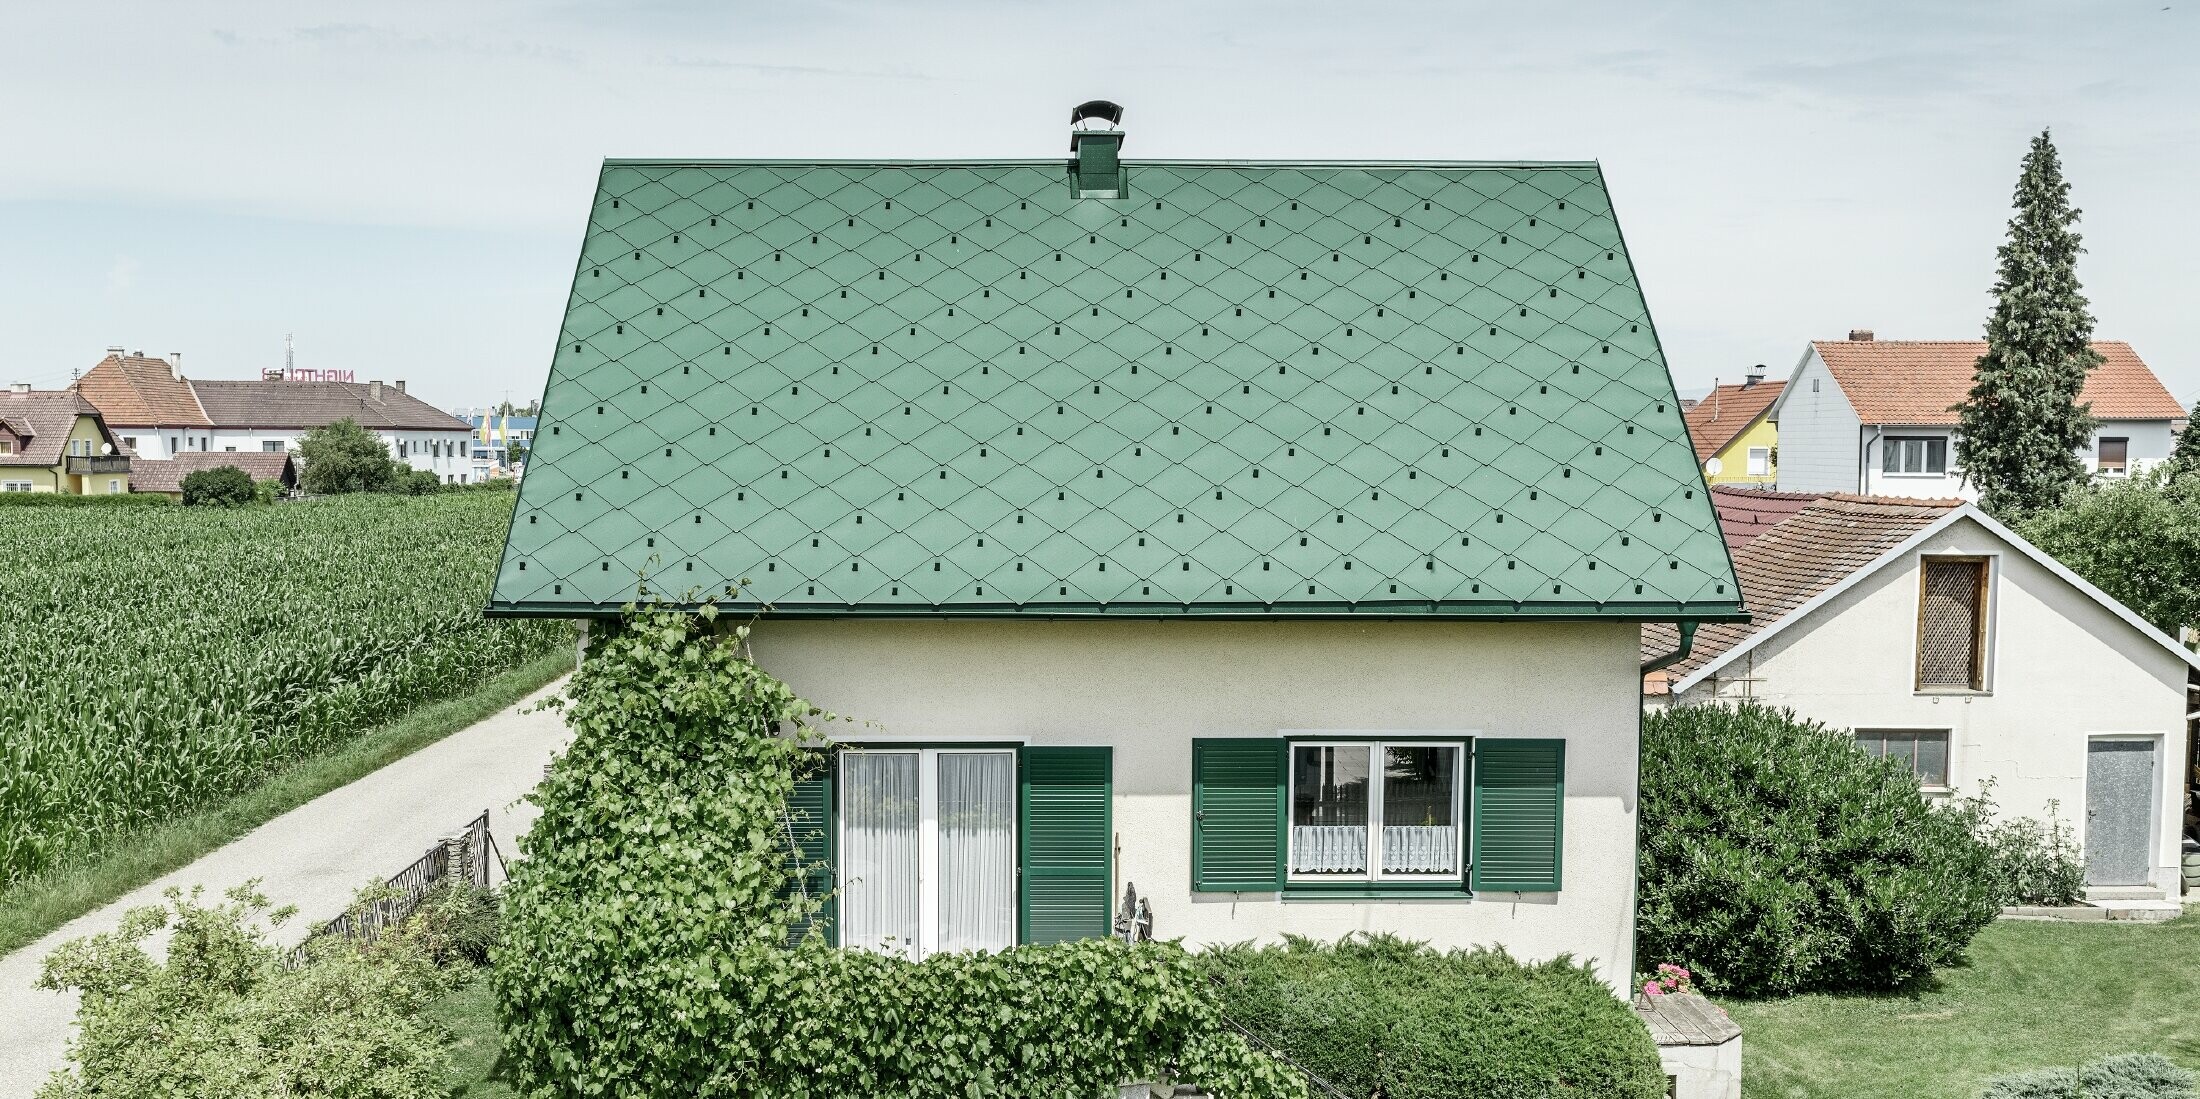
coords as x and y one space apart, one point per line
1951 692
1395 890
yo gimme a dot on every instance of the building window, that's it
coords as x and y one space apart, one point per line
114 486
272 446
465 451
927 850
1760 461
130 441
1951 624
1919 454
229 450
1382 811
15 486
7 446
1924 751
2115 455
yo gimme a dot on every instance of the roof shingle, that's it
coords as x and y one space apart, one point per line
167 474
1921 381
140 391
47 416
1716 420
318 404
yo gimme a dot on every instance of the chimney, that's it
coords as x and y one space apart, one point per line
1860 335
271 374
1756 376
21 387
374 391
400 385
114 351
1095 170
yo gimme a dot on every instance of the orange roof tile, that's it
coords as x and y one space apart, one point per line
140 391
1714 421
1921 381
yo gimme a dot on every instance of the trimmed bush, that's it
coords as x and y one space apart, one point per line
1382 1012
2129 1076
68 500
646 952
222 486
1777 857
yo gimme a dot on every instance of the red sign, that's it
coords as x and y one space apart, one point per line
294 374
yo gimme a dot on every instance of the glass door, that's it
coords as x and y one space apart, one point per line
928 849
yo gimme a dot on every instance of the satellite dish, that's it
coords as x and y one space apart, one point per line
1712 467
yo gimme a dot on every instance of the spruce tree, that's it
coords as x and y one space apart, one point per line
2022 423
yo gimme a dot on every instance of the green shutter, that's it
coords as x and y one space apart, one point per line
1237 814
808 832
1519 803
1067 832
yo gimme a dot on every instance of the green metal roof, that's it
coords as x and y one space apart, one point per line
1245 389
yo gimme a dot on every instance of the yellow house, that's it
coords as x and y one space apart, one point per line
1735 442
56 442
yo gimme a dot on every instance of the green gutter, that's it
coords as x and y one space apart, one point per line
1400 610
1688 643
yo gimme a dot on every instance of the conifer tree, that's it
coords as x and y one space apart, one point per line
2022 423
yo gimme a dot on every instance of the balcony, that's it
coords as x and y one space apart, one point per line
99 463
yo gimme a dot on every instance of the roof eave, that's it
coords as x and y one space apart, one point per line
1386 609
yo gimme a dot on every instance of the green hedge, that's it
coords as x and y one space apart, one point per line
1777 857
1382 1012
68 500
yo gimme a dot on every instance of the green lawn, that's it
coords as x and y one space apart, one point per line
475 1045
2034 995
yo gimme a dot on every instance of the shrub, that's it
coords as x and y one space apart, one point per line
646 936
1379 1012
222 1018
2032 861
344 457
222 487
415 482
2138 539
1777 857
2129 1076
69 500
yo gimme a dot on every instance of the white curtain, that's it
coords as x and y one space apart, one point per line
1328 848
878 812
977 850
1427 849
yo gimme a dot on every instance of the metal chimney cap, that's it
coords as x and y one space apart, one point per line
1097 108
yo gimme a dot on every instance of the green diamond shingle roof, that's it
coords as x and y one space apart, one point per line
861 388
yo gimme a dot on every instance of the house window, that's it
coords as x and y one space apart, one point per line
1760 461
928 850
1918 454
130 441
229 450
2115 455
1381 811
114 486
1951 624
15 486
1924 751
271 446
7 446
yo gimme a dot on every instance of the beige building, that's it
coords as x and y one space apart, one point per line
56 442
1940 637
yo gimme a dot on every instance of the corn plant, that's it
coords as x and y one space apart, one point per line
153 660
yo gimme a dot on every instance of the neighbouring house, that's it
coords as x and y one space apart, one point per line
159 413
1878 417
1271 537
165 475
1733 435
54 441
501 442
1942 638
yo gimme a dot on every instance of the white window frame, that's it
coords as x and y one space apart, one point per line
1947 757
1375 873
17 486
2101 466
1897 444
114 486
1760 461
928 831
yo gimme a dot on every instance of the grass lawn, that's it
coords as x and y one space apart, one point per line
475 1045
31 908
2034 995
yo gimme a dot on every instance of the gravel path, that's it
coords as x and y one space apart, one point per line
315 856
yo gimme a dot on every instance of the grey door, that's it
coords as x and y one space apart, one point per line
2119 803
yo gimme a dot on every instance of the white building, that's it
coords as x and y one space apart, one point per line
1877 416
1942 638
159 413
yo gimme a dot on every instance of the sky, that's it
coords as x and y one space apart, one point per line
402 186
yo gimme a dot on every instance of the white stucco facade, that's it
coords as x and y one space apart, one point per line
2063 671
1148 688
447 454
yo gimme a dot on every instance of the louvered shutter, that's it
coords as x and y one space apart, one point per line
807 830
1067 832
1237 814
1519 804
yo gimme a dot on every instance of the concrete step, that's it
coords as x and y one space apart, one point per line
2124 893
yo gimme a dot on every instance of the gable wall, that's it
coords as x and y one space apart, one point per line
1818 432
1734 460
2062 668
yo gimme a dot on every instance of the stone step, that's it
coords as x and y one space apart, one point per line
2124 893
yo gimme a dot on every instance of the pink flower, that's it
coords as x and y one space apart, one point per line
1650 988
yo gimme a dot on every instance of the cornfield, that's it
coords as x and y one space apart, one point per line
153 660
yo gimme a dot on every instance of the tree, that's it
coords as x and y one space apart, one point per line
2185 460
344 457
221 487
2138 540
2022 423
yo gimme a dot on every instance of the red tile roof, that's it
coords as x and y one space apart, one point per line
1745 513
1920 381
1714 421
140 391
1788 565
46 417
166 475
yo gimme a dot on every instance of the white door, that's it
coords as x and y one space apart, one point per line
928 849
